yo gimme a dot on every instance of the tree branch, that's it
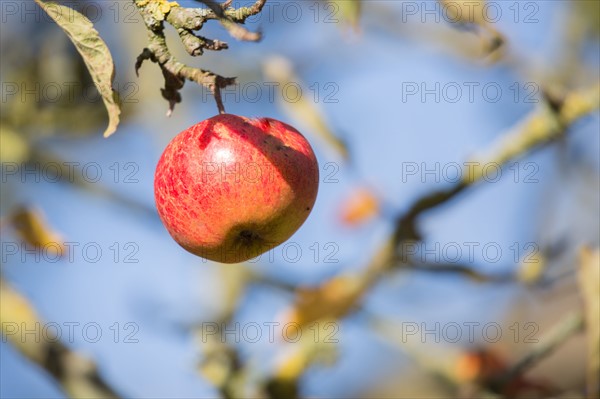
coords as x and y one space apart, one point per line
230 19
185 21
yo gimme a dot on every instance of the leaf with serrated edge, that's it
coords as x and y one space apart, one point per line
94 52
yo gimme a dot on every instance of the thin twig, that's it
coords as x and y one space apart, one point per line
235 30
551 341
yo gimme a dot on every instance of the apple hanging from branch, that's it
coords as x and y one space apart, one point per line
230 188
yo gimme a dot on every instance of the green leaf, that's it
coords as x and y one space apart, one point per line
94 52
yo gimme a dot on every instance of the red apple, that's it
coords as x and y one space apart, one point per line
230 188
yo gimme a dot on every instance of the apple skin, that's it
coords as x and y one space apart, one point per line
231 188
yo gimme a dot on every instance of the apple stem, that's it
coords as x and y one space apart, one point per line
219 99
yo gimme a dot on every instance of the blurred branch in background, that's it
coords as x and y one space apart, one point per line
33 116
22 327
425 356
336 298
548 343
581 25
463 30
472 15
220 363
76 374
349 12
304 111
31 227
589 282
342 294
